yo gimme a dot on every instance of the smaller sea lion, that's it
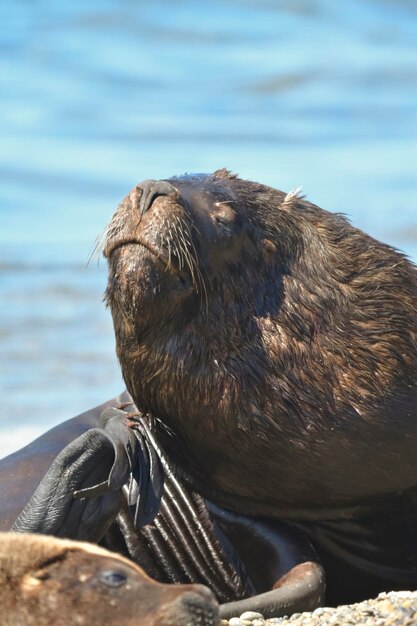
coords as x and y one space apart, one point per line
44 580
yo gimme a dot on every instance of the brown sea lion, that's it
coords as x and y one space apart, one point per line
190 540
44 580
276 347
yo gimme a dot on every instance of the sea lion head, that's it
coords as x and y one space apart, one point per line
239 309
44 580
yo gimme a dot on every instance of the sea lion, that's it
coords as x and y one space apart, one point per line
44 580
190 540
276 347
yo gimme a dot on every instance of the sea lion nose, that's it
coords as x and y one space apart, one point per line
196 607
151 189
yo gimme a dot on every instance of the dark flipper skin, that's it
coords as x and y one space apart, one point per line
190 539
21 472
53 509
81 493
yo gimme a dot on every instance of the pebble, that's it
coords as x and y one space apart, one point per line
251 616
393 608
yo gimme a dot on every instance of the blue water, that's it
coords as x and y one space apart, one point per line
97 95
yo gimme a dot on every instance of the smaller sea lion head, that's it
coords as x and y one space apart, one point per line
45 580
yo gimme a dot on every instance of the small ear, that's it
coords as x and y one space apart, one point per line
30 583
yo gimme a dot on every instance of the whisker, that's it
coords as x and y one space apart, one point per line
193 260
190 260
111 230
186 252
98 247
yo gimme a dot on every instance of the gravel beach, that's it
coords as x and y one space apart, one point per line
395 608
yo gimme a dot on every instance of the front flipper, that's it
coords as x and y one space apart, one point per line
301 589
81 493
281 562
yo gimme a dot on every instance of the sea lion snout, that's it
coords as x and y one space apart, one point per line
168 241
197 606
213 217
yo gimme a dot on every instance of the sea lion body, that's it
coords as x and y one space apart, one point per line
276 345
44 580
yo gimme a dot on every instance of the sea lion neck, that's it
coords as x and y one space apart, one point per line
190 367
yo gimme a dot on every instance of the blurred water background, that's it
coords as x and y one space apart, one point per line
98 95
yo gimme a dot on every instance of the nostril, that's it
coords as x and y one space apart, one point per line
151 189
198 607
